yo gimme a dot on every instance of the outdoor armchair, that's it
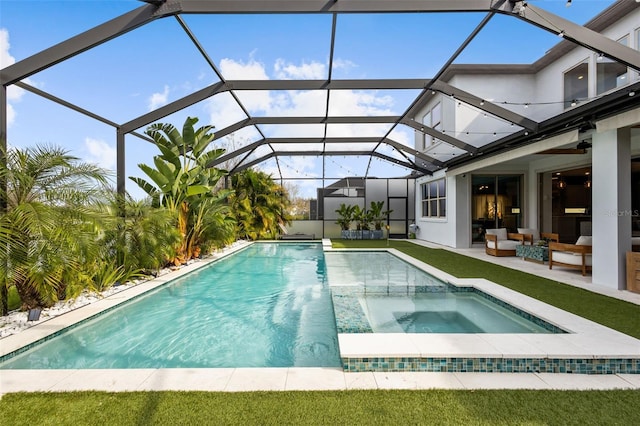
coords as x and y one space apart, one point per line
499 242
576 255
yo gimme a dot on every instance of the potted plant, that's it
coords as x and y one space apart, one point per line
345 217
365 224
378 217
359 218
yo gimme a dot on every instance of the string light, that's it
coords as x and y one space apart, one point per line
471 100
467 132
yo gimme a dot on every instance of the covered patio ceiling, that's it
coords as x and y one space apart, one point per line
329 131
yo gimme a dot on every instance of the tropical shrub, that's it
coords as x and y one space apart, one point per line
378 216
184 183
48 227
259 204
140 236
345 216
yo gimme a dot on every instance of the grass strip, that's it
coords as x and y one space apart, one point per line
608 311
437 407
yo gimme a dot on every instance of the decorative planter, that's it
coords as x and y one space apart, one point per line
345 234
377 234
366 234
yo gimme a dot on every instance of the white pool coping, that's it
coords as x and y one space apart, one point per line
587 339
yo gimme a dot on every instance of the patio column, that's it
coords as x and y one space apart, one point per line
611 210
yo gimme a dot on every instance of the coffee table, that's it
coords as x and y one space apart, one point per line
538 254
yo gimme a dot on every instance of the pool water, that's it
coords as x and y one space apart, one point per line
376 292
274 305
266 306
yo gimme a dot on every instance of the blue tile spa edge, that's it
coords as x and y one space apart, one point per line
493 365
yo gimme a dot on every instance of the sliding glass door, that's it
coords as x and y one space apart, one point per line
496 202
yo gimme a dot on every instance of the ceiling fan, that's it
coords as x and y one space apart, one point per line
581 148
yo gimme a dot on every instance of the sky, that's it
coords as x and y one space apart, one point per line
157 64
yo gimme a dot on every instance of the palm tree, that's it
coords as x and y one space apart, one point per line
182 180
259 204
47 226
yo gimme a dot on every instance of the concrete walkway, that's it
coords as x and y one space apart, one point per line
559 274
288 379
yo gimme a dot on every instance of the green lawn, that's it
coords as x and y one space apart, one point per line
374 407
323 408
617 314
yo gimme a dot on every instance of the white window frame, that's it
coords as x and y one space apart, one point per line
427 120
428 199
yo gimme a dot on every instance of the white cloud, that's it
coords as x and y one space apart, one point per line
14 93
101 153
5 57
159 99
306 71
238 70
11 114
343 64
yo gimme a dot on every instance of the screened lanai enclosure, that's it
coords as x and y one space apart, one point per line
312 92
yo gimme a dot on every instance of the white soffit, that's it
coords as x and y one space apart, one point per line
534 148
620 121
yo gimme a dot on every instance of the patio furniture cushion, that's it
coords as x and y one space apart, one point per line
531 231
504 244
501 233
584 240
571 258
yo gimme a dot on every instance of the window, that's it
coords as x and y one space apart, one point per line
576 84
433 119
434 200
611 74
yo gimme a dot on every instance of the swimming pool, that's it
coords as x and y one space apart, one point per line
266 306
375 292
304 275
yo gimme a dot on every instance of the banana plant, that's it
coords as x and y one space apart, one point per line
182 178
378 216
345 216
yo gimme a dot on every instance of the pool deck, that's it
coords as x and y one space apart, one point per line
587 339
